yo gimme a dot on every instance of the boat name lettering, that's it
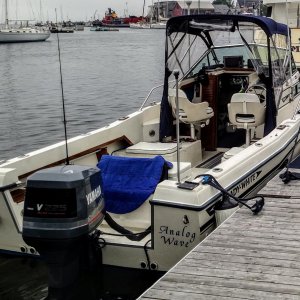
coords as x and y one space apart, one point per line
93 195
245 183
175 237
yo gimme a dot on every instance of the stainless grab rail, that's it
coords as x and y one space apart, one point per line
150 93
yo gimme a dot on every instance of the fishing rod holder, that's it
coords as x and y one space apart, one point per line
176 75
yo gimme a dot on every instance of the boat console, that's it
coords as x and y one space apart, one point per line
215 85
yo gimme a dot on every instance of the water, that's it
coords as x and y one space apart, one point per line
106 75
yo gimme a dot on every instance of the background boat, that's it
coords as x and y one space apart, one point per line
62 27
21 33
79 26
158 25
143 24
103 29
140 25
287 12
111 19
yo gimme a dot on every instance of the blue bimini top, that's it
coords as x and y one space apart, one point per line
128 181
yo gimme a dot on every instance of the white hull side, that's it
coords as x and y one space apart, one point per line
17 37
172 236
158 26
139 26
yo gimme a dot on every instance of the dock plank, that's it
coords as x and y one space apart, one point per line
247 257
223 291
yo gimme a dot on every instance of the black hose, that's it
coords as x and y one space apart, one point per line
123 231
147 254
212 181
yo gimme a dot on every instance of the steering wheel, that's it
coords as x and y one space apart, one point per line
202 77
259 90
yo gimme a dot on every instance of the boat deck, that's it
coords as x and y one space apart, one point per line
247 257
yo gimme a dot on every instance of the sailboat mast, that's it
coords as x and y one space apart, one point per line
289 39
167 10
41 11
144 8
298 23
6 14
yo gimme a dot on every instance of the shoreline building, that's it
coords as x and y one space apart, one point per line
163 10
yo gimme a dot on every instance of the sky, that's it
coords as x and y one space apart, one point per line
76 10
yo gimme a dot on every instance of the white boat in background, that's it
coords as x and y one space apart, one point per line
61 29
158 25
79 26
22 34
228 121
99 28
287 12
140 25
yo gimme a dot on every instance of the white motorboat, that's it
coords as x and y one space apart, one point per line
287 12
236 126
22 34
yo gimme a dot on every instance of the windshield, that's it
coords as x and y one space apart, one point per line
244 46
215 56
196 44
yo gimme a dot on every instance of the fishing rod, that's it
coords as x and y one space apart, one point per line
62 94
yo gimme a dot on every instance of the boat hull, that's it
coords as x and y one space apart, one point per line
172 236
62 30
103 29
115 25
179 219
19 37
139 25
158 26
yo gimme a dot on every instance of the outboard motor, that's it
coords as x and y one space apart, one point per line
63 205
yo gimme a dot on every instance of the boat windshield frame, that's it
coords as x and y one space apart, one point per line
206 59
180 43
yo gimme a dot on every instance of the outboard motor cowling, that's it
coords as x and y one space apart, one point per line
62 206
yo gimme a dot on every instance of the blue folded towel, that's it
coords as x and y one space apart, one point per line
128 182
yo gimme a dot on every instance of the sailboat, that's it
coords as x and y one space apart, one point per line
22 34
161 22
156 183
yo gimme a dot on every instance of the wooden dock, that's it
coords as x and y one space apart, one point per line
247 257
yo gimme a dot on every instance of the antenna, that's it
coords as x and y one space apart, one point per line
290 43
62 94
